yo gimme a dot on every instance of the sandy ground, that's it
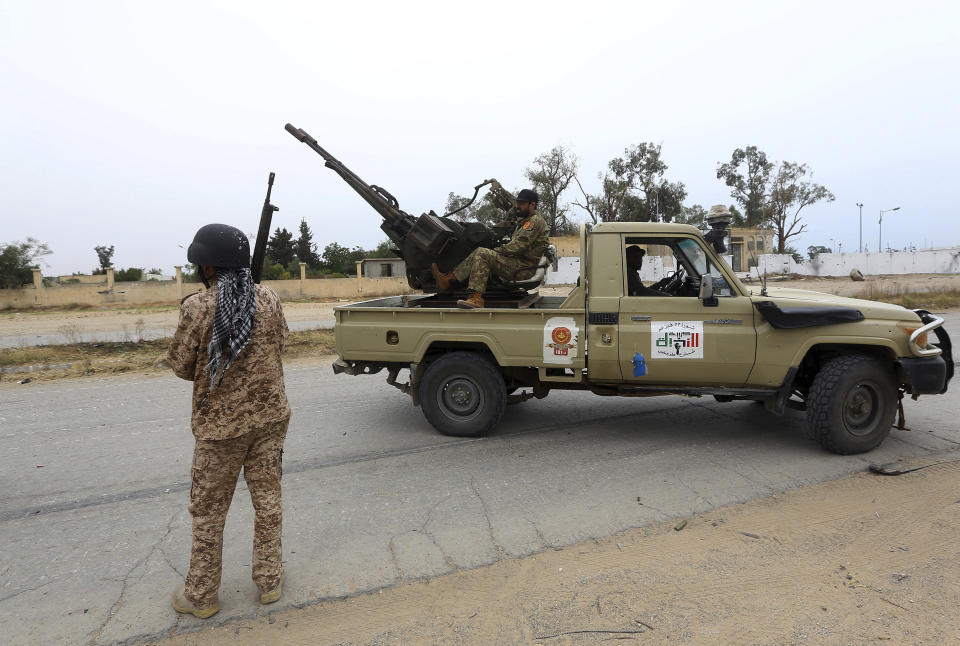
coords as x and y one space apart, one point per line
55 326
863 559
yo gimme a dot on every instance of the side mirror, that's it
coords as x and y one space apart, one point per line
706 287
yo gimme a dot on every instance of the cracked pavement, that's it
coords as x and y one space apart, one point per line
94 475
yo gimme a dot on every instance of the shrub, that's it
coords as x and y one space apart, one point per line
128 275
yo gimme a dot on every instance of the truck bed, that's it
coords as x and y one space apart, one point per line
402 329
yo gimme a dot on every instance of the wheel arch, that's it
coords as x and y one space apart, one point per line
434 345
817 353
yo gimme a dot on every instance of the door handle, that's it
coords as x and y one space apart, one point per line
640 318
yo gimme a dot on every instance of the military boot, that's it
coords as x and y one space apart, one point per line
443 280
273 595
180 603
475 301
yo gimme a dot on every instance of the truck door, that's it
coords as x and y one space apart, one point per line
667 334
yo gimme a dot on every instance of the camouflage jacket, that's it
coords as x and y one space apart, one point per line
529 240
252 392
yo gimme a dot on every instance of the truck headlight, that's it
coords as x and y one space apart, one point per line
921 340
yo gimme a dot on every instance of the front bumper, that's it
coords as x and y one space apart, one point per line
926 376
929 374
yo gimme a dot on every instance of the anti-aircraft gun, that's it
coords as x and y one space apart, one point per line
429 238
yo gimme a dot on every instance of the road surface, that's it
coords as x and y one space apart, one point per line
94 480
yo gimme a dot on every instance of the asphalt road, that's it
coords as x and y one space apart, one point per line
96 336
94 530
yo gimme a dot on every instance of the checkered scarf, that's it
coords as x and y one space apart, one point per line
232 321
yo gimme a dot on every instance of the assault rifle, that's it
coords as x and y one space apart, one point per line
260 248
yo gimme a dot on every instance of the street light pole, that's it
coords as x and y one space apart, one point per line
882 211
860 204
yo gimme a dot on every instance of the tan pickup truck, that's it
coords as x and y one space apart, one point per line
696 332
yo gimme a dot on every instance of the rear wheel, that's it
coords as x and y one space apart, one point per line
463 394
851 404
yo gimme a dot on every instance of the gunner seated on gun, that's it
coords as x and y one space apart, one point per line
515 260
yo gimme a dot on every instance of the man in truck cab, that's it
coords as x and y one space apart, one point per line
635 287
514 260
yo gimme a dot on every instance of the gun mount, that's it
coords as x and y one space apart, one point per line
429 238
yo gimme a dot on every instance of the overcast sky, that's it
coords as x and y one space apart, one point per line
134 123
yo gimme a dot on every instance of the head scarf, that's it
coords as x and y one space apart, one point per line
232 322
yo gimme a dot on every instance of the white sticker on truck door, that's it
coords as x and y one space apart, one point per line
561 336
676 340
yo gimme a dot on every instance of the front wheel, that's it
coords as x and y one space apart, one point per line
463 394
851 404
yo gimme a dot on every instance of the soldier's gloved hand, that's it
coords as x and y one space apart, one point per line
161 363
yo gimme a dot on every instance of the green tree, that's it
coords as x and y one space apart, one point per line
129 275
342 260
747 174
384 250
797 258
277 272
280 247
816 250
551 174
633 188
790 193
17 260
305 248
694 214
482 211
104 257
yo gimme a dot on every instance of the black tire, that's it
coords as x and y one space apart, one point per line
851 404
463 394
723 399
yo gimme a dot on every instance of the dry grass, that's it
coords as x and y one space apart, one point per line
110 357
936 299
77 307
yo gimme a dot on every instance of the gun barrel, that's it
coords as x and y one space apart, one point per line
382 201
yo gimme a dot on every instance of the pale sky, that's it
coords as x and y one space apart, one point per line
134 123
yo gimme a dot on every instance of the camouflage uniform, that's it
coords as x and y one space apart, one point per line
242 424
525 249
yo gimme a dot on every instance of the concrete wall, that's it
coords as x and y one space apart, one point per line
171 292
566 245
933 261
568 271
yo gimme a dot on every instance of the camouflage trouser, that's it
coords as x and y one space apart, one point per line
216 466
481 261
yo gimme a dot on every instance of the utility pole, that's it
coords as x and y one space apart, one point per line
882 211
860 204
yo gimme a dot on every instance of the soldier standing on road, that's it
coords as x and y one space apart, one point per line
228 342
512 261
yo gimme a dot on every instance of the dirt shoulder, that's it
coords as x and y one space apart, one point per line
862 559
81 323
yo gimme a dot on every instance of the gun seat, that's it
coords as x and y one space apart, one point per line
548 259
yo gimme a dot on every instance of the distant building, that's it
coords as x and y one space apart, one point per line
383 267
747 245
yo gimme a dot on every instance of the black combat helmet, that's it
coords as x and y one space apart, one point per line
220 245
528 195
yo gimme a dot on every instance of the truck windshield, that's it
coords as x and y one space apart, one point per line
697 257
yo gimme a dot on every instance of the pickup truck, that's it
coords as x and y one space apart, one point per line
696 332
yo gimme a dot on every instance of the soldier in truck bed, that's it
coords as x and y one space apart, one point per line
514 260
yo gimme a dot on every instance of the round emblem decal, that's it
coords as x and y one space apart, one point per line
561 335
